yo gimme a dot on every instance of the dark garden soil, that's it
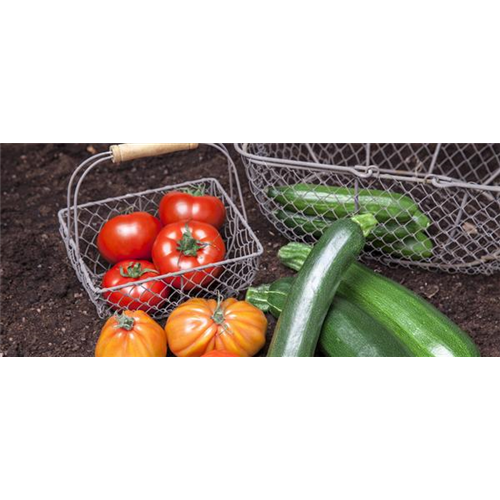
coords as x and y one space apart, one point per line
45 311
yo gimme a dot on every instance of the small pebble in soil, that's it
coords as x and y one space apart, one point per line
431 291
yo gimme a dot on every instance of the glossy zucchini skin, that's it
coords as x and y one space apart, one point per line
275 297
388 232
347 331
416 247
299 326
338 202
419 325
406 240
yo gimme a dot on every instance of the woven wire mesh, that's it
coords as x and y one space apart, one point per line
159 295
444 198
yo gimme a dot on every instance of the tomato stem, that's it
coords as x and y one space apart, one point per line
124 321
218 315
135 271
198 191
129 210
189 245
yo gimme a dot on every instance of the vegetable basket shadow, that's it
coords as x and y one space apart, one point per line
80 225
438 205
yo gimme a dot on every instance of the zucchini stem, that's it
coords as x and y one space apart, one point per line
367 223
258 296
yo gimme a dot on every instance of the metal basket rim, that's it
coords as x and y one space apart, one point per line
438 181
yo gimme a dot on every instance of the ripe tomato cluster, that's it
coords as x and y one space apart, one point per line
141 246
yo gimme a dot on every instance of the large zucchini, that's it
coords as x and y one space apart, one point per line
335 203
299 326
347 330
418 324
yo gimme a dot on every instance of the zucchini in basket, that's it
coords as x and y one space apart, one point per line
404 240
316 226
338 202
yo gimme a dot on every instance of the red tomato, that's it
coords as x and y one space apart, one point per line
128 237
135 297
183 246
220 354
178 206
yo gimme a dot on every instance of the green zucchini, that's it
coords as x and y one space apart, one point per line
393 238
334 202
347 330
388 232
417 247
418 324
299 326
270 297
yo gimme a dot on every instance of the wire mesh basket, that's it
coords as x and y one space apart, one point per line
80 225
438 205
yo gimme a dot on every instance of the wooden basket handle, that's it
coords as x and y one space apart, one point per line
127 152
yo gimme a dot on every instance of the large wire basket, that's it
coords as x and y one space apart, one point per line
80 225
454 186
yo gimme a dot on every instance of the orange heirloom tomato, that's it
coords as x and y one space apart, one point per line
199 326
220 354
132 334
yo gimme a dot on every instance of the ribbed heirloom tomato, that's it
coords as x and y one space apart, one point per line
200 326
183 246
132 334
133 297
128 237
220 354
180 206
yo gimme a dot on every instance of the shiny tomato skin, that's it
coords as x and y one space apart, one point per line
134 297
178 206
143 337
220 354
128 237
199 326
169 259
